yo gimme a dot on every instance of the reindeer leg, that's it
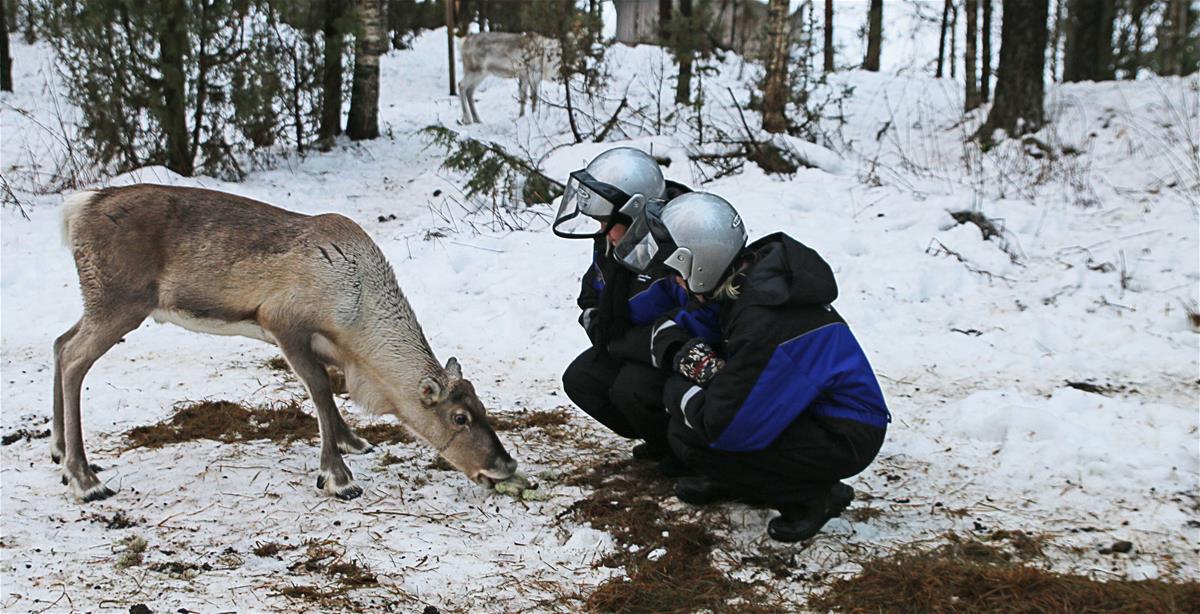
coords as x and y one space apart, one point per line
335 477
465 91
76 354
348 442
57 445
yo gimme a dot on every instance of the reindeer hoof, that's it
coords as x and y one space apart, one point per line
96 494
351 491
56 458
347 491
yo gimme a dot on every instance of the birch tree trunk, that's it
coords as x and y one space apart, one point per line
369 43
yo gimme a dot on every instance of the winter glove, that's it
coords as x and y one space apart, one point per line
666 337
588 320
697 361
634 345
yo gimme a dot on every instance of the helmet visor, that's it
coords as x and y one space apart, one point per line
586 201
646 237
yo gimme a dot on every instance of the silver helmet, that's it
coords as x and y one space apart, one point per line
698 234
608 183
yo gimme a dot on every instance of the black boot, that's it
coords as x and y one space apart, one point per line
649 452
798 522
703 490
671 467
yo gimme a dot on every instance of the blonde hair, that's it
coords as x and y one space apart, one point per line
728 290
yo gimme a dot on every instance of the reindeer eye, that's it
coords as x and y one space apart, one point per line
460 419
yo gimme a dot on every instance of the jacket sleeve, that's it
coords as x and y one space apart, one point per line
741 394
591 284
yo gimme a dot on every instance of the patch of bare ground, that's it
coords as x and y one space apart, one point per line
968 575
672 568
230 422
529 419
339 576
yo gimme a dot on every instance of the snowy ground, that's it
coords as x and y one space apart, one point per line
974 348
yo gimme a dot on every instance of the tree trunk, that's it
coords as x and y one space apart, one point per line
778 46
30 34
5 56
450 41
874 34
1173 38
985 78
941 63
1020 89
1087 55
331 78
972 92
369 43
665 7
953 41
1059 8
1129 46
683 85
828 35
172 42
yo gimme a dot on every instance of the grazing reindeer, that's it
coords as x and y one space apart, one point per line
529 58
316 286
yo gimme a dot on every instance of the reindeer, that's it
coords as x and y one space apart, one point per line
529 58
315 286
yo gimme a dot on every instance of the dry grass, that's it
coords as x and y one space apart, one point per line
226 422
970 576
672 569
343 576
524 420
230 422
265 549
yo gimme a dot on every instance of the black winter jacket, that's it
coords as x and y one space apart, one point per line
787 351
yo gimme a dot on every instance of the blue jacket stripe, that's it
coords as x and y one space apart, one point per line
796 378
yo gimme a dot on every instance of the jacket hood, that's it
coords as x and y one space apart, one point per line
784 271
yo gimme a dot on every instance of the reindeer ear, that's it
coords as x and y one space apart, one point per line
431 391
453 369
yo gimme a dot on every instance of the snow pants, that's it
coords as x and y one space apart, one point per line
624 396
806 460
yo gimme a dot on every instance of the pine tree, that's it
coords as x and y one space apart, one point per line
775 90
985 77
1087 54
333 27
874 35
972 93
828 35
688 31
369 44
5 57
1020 90
941 61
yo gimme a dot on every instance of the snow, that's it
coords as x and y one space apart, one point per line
974 342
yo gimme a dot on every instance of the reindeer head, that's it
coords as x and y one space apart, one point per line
456 425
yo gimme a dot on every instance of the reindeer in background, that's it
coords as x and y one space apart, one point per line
529 58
